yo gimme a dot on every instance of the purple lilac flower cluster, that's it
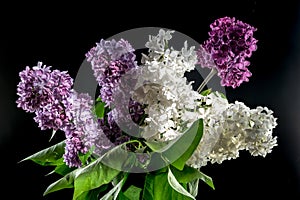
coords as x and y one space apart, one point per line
230 43
110 60
57 106
73 146
84 132
48 94
112 130
45 93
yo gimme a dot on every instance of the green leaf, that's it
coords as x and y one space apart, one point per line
222 95
208 180
177 152
206 92
100 108
120 158
92 194
155 145
133 192
50 156
114 192
190 174
84 157
63 169
176 185
65 182
93 176
103 170
157 187
193 187
195 129
123 197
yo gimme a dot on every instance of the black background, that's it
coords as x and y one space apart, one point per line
60 35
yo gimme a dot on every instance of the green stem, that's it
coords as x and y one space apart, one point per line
205 81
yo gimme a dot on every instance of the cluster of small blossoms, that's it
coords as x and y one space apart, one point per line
84 132
170 99
214 106
112 130
45 93
87 131
230 43
110 60
48 94
232 128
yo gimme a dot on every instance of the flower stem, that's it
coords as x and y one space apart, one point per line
205 81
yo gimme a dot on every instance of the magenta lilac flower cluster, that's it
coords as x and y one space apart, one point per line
230 43
46 93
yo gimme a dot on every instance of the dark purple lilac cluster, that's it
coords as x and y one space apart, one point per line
230 43
136 111
112 129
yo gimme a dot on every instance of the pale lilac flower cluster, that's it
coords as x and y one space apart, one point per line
45 93
85 131
205 58
232 127
110 60
73 146
230 43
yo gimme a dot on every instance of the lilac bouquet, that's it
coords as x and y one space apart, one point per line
147 121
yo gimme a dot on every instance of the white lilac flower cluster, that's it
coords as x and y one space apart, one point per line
232 127
172 104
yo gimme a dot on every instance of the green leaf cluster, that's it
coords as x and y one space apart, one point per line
109 177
